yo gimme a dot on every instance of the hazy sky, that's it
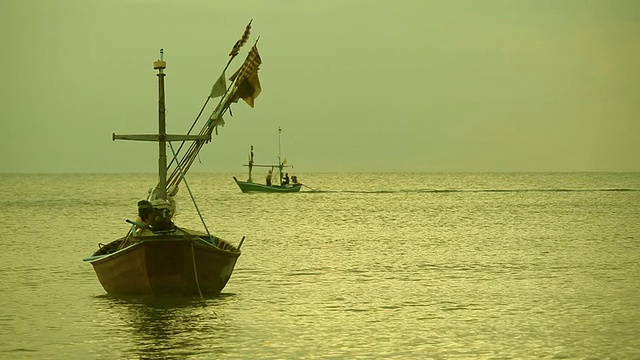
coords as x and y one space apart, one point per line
413 85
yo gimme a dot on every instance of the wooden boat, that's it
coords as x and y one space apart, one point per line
180 262
277 182
156 256
248 186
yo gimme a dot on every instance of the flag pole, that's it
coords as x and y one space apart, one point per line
279 157
247 30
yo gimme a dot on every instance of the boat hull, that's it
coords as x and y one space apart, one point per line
166 264
246 187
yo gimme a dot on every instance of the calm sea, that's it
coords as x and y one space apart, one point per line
367 266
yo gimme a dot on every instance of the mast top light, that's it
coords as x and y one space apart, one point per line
160 64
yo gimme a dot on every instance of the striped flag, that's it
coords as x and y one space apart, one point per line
250 65
242 41
247 83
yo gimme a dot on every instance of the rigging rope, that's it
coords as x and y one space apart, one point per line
182 175
195 271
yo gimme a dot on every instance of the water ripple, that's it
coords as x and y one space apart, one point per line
396 267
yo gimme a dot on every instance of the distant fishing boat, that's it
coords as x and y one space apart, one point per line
156 256
277 182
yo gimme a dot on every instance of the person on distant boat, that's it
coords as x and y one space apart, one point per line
294 179
285 179
269 177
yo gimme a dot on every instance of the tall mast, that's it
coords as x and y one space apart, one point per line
279 158
160 65
162 137
279 132
250 163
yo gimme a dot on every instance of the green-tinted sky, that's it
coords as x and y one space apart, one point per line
414 85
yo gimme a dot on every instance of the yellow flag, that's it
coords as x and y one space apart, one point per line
257 88
248 90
